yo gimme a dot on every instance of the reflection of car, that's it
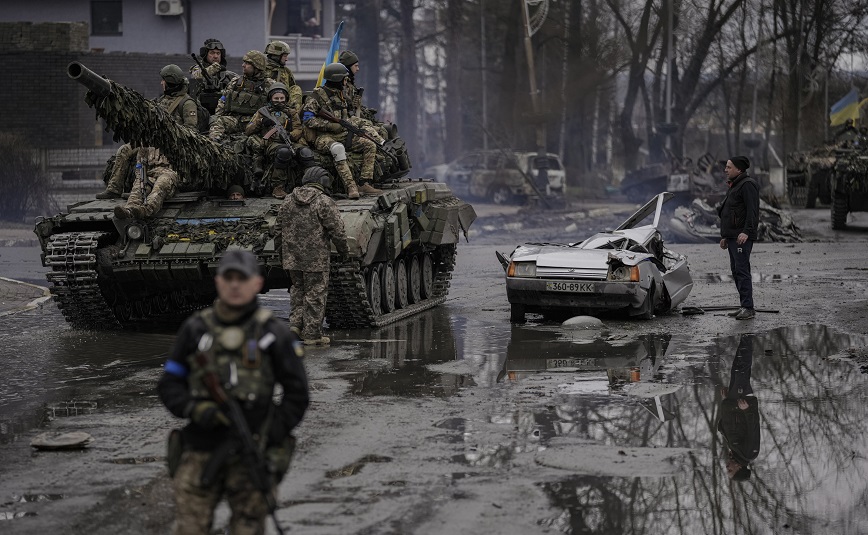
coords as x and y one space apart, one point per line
495 175
627 269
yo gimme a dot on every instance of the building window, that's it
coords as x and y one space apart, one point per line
106 17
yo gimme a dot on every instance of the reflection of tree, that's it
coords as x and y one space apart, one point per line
811 416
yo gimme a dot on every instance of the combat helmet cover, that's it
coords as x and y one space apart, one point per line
277 48
318 177
173 75
257 59
335 72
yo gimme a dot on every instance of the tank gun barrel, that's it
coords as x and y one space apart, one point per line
199 162
89 79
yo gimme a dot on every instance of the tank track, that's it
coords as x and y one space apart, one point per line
348 306
72 257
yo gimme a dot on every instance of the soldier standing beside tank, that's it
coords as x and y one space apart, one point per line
244 95
277 53
177 103
248 351
309 222
266 143
327 136
209 89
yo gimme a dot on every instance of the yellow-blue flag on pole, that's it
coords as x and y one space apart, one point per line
334 52
846 108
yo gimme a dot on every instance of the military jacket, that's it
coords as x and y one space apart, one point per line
288 118
282 74
250 354
330 100
244 96
181 107
309 222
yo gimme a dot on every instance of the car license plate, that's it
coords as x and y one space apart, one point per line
570 287
568 363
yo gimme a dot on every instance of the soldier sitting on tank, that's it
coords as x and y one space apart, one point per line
209 89
277 53
376 129
177 103
326 135
235 193
155 182
266 142
244 95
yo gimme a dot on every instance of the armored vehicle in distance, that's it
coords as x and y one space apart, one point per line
848 185
108 272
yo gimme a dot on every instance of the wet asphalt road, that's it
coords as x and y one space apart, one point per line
454 421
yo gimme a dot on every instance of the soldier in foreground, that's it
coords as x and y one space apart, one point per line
277 53
211 83
268 143
224 366
309 222
329 137
177 103
240 100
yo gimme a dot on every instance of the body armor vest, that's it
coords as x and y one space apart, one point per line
246 96
237 351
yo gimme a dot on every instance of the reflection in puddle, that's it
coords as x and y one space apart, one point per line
29 498
395 359
755 277
8 515
354 468
136 460
771 402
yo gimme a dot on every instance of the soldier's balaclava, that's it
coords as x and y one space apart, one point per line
335 86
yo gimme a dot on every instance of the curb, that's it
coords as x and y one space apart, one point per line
36 303
19 242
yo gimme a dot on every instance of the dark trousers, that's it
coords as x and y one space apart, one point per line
739 374
739 263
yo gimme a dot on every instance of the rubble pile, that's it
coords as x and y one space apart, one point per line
699 223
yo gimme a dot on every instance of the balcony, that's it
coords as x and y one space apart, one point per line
306 56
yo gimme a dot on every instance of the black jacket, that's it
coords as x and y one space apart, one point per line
739 212
740 428
288 372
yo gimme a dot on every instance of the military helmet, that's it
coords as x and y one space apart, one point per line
213 44
173 75
348 58
317 177
275 87
335 72
255 58
277 48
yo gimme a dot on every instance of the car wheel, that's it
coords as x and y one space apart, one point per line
648 305
501 195
516 313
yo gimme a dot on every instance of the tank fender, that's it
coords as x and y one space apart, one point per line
360 228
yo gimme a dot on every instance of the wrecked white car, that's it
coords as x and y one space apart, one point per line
625 270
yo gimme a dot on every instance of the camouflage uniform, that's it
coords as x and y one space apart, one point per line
324 133
181 107
354 97
309 221
241 99
282 74
264 142
264 352
207 92
162 181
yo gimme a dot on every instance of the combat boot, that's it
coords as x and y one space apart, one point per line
122 212
368 189
352 190
138 212
278 192
346 175
108 194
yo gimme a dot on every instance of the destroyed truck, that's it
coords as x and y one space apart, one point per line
675 175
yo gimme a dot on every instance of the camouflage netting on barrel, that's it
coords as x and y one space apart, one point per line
199 162
244 232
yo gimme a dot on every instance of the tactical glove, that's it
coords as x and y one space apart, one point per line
267 123
207 414
213 69
334 128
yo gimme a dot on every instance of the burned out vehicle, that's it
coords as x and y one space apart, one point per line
680 176
107 272
849 185
626 270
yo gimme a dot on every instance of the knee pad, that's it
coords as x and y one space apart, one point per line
282 157
305 157
338 151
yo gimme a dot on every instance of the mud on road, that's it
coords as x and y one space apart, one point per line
455 421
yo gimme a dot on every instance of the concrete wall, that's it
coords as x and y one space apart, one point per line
239 24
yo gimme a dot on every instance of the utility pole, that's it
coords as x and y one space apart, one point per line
542 152
483 68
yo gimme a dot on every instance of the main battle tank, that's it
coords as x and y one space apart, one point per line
849 184
108 273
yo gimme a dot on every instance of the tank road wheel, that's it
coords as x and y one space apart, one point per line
839 211
123 311
427 276
401 295
387 282
414 278
161 303
374 291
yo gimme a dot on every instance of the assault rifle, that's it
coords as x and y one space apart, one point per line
353 130
281 131
250 452
202 69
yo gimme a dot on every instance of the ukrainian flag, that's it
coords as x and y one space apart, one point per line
334 52
846 108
